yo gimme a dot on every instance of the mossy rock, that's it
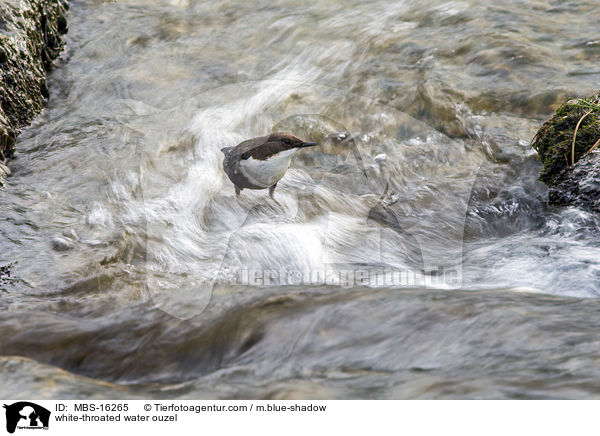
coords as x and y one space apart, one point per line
30 39
554 140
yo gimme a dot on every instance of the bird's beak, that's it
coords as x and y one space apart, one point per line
309 144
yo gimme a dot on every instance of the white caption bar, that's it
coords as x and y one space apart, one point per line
159 417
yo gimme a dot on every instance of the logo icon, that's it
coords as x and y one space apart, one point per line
26 415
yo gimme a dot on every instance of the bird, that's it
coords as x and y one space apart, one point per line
259 163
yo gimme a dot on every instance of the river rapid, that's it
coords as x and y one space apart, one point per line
411 255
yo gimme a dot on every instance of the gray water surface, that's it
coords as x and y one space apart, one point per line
127 247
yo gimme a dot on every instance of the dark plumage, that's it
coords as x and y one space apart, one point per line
259 163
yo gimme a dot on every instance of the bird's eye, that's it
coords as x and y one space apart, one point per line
286 141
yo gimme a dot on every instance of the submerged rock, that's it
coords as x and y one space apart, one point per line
572 172
62 244
578 185
30 39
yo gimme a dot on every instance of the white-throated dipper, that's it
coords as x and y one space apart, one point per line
260 163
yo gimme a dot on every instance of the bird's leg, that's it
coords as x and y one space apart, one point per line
272 190
237 191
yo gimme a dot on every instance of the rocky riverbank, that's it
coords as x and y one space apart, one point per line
30 39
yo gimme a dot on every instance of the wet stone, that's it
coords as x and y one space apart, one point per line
62 244
31 39
565 146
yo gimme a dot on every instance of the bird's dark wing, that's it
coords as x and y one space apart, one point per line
246 148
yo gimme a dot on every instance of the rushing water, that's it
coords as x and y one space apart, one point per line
412 255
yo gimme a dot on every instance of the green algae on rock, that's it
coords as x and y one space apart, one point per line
30 39
554 140
563 144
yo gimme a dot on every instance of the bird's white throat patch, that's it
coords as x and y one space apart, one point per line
269 171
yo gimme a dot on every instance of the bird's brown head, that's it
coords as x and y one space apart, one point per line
287 141
276 142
